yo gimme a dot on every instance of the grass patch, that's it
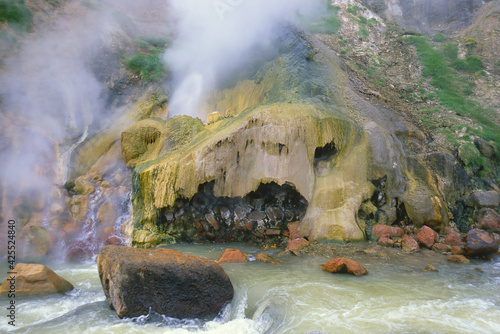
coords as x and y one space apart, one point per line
363 32
328 24
16 14
439 38
452 88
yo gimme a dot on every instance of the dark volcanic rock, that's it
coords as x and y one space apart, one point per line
165 281
479 243
343 265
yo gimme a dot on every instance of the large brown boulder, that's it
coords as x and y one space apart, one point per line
479 243
34 279
427 237
168 282
343 265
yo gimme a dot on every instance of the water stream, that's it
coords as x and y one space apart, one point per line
397 296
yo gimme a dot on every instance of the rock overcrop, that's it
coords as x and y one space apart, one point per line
139 281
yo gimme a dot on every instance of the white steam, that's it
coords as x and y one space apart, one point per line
215 38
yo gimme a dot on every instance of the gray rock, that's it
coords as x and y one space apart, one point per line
486 149
481 199
480 243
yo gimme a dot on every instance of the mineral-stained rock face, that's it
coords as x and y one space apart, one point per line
479 243
168 282
343 265
302 146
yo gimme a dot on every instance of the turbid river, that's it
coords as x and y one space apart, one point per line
397 296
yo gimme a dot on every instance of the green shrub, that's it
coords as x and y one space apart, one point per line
363 32
16 14
353 9
148 66
362 19
439 38
470 64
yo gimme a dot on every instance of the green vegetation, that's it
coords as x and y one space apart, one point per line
471 64
363 32
439 38
16 14
148 63
452 89
353 9
328 24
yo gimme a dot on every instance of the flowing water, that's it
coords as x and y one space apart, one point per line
397 296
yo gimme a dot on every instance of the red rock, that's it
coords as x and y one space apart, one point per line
198 226
296 245
232 255
442 248
427 237
409 244
343 265
457 250
267 258
212 221
489 220
379 229
78 252
454 238
386 241
293 230
479 243
457 259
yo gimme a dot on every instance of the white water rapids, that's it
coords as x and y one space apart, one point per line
397 296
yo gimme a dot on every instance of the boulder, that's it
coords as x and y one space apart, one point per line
35 279
481 199
454 238
267 258
427 237
343 265
430 267
296 245
293 230
232 255
442 248
487 150
409 244
489 220
137 281
457 259
479 243
386 241
378 230
457 250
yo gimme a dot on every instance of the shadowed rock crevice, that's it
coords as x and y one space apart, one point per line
260 215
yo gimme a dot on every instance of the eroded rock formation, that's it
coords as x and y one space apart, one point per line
297 124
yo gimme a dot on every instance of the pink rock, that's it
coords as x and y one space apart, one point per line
454 238
379 229
409 244
386 241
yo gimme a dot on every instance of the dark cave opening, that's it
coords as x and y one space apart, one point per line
261 215
325 152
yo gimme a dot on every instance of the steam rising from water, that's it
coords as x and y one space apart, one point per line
216 38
